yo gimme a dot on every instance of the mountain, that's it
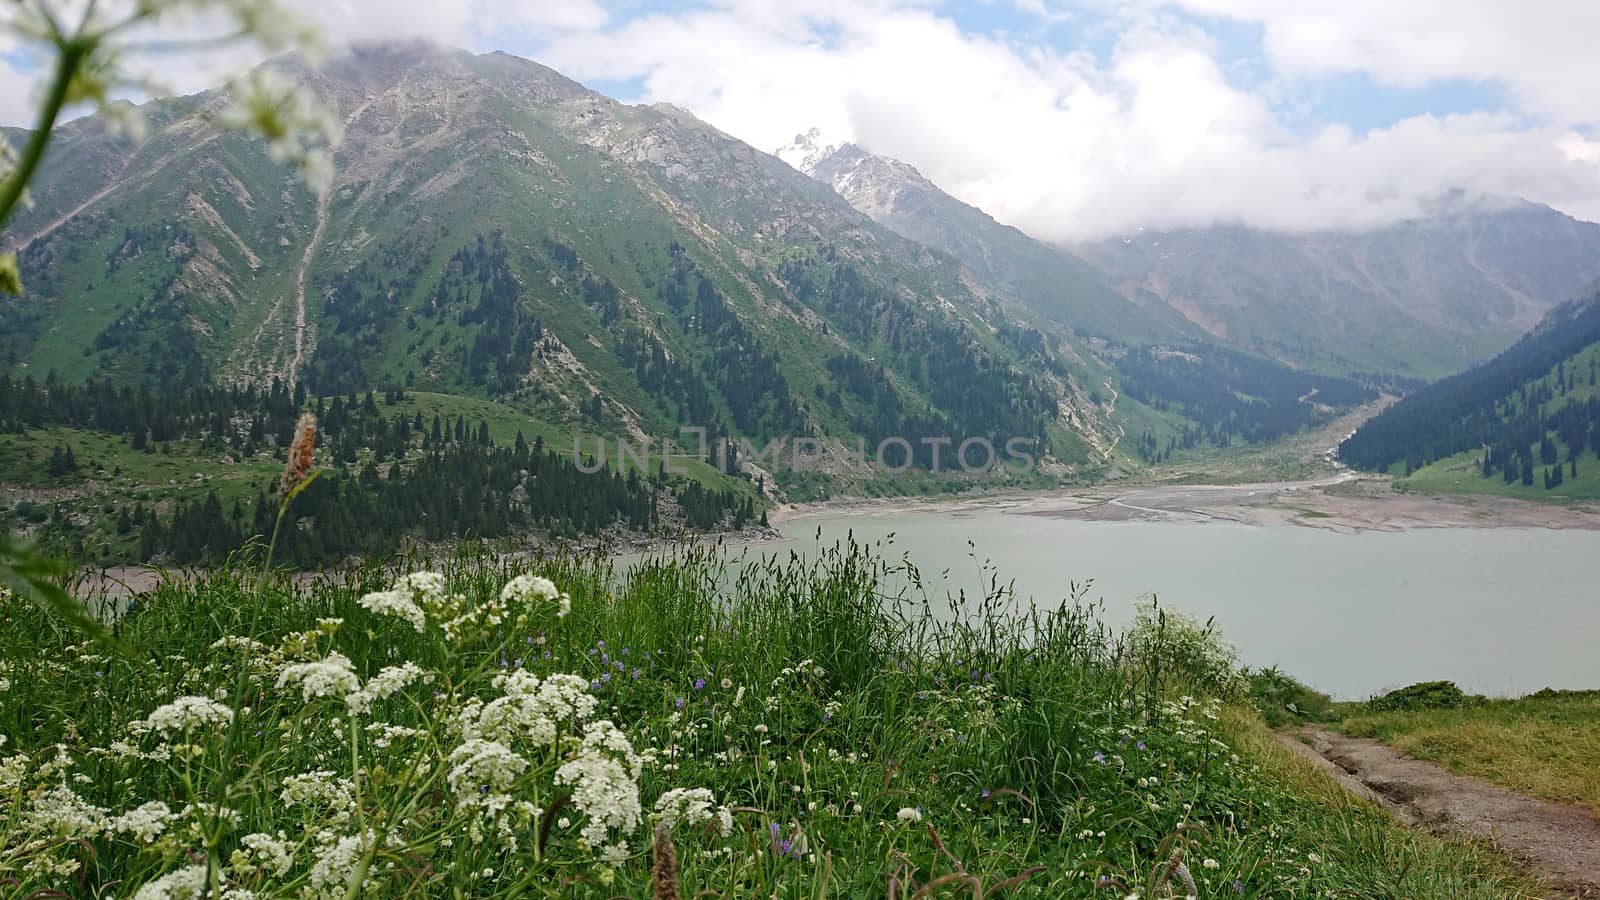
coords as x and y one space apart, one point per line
1424 298
1527 419
1184 389
497 230
1041 278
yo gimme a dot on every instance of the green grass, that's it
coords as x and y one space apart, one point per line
1462 474
1546 744
863 742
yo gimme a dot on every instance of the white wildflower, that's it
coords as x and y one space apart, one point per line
329 677
146 822
273 855
396 602
604 779
297 127
384 734
691 806
187 882
1209 863
908 815
12 768
428 589
336 864
614 854
320 788
63 813
388 682
526 590
479 764
531 710
187 714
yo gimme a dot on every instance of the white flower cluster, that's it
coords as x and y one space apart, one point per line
320 788
482 775
298 128
422 596
386 683
691 806
531 710
146 822
273 855
332 676
604 777
480 765
63 813
186 714
398 603
337 859
527 590
187 883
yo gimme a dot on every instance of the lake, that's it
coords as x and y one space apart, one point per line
1500 611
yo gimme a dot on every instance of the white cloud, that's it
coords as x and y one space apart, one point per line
1069 145
1542 50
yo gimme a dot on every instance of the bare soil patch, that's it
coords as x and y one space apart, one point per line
1559 842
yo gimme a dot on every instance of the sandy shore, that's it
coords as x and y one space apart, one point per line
1344 503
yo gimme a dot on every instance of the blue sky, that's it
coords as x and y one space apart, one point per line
1081 118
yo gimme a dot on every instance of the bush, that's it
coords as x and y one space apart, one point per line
1422 695
1282 700
1171 651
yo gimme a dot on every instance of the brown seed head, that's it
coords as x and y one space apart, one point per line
665 873
297 467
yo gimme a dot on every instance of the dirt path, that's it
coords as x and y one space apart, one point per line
300 291
1110 411
1558 842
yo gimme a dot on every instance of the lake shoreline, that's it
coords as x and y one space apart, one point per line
1347 503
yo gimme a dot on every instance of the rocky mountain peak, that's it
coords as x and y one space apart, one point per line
808 150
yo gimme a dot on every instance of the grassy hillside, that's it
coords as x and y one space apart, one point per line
1545 744
793 731
1525 423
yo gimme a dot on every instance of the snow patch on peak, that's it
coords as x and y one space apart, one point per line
807 150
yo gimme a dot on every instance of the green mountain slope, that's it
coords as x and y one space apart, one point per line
1528 421
1180 389
495 229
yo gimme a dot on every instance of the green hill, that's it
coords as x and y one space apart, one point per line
1525 423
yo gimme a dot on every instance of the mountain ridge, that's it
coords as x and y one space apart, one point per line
1044 279
495 227
1424 297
